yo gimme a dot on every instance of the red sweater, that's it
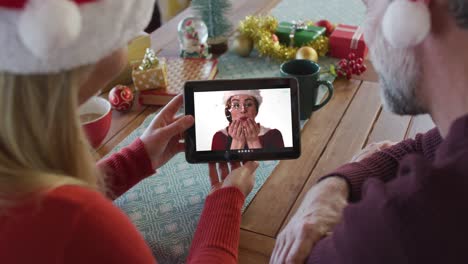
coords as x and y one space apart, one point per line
412 207
72 224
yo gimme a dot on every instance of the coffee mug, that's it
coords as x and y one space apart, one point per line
307 74
96 117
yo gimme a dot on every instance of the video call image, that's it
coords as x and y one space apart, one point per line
243 120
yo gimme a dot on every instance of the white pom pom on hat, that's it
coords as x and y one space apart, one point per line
50 36
406 23
47 26
254 93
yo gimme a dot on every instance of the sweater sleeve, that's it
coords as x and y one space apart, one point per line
219 142
104 234
384 164
273 140
217 236
365 235
126 168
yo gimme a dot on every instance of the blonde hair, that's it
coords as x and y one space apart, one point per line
42 145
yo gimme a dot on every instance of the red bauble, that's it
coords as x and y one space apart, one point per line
327 25
121 98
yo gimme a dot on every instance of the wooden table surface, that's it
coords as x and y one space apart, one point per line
352 119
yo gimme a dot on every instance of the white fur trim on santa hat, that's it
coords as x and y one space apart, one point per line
254 93
406 23
48 26
106 25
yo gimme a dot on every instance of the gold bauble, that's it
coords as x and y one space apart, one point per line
242 45
307 53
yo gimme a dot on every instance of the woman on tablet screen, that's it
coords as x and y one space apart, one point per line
243 131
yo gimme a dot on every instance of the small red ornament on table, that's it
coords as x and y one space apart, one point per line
275 38
327 25
121 98
351 66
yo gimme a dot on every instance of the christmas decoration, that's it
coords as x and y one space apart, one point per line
298 33
346 39
151 73
261 28
307 53
242 45
193 35
347 67
327 25
121 98
398 31
275 38
213 13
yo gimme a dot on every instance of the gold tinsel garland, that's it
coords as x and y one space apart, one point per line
261 29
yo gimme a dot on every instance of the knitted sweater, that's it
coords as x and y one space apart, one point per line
72 224
411 208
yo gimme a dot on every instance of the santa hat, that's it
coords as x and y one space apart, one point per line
46 36
254 93
406 23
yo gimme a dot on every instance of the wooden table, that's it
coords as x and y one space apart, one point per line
351 120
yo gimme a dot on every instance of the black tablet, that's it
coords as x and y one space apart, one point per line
239 120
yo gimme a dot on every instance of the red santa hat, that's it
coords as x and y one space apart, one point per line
254 93
44 36
406 23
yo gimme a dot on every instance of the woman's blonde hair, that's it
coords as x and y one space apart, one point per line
42 145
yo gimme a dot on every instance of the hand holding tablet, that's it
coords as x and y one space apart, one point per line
238 120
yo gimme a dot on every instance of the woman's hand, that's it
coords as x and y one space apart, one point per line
241 177
161 138
235 130
252 130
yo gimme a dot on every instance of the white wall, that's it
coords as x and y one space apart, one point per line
274 112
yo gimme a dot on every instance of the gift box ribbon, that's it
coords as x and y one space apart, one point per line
356 37
295 26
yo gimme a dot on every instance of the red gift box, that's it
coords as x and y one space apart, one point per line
347 39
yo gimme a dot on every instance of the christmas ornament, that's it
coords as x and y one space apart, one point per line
260 30
348 67
121 98
406 23
242 45
307 53
275 38
326 24
193 35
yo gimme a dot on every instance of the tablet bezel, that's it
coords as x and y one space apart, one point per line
191 87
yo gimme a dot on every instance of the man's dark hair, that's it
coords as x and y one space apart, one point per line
459 9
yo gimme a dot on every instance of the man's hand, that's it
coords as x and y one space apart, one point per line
371 149
319 212
161 138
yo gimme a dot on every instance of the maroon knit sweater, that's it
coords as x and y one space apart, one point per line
412 207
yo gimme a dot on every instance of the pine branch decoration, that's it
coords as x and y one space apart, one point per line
213 13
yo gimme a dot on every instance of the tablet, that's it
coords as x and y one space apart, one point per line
241 120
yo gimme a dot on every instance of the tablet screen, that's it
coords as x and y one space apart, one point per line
254 119
243 120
